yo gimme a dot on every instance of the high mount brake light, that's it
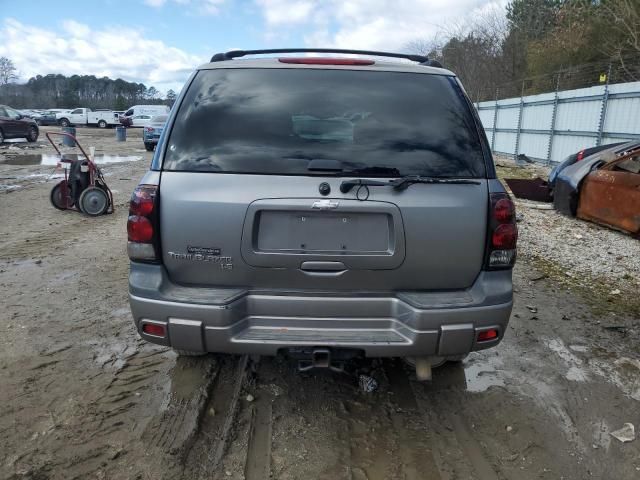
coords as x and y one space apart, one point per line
325 61
502 234
142 228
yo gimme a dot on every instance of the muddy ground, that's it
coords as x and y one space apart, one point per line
82 396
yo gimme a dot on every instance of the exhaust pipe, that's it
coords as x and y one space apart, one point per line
423 369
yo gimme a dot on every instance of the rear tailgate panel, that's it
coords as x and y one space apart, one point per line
242 230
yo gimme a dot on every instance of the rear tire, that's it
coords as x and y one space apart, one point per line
149 147
56 197
1 137
32 136
189 353
94 201
102 124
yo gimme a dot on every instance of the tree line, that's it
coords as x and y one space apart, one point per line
550 43
60 91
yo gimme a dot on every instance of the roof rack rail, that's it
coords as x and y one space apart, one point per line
220 57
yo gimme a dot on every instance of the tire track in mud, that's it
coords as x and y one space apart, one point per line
456 451
174 430
205 453
415 450
320 425
258 462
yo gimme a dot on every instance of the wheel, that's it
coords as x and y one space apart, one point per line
102 124
1 137
32 136
149 147
39 123
57 196
93 201
64 122
189 353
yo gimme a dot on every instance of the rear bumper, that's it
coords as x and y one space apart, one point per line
263 322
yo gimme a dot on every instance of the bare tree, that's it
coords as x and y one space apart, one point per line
7 71
473 49
624 37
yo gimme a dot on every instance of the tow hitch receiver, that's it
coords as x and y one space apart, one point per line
320 358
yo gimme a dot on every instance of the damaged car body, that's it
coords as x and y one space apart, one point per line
603 188
611 194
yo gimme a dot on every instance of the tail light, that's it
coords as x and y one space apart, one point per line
580 155
149 129
142 228
487 335
503 233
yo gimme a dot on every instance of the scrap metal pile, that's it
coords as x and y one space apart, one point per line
599 184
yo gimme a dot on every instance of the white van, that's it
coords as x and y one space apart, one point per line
140 115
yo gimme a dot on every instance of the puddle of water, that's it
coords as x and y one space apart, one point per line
482 374
52 160
576 371
623 372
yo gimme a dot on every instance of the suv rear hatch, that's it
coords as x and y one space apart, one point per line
253 166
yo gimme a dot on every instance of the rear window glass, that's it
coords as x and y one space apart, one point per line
276 121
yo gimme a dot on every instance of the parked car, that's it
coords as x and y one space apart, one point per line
27 113
15 125
86 116
351 209
140 115
45 118
151 133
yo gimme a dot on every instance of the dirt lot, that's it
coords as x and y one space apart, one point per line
83 397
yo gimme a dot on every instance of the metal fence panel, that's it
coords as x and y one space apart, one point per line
486 116
505 142
534 144
547 127
537 116
582 116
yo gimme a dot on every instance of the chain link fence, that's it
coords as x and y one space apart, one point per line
620 70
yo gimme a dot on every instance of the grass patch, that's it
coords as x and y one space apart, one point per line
516 172
594 291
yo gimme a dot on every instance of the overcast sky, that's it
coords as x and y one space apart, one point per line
159 42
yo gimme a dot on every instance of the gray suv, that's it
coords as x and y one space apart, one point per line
322 207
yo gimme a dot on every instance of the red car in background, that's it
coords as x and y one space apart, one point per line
15 125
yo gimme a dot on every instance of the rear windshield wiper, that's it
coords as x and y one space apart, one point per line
403 183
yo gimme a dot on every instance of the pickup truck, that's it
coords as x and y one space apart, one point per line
85 116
